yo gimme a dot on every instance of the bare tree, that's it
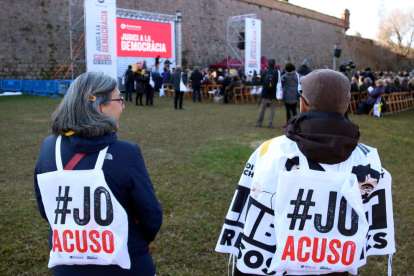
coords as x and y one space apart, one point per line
397 30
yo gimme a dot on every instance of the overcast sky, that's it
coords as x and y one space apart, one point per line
364 13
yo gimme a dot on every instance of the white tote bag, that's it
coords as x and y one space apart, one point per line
162 93
89 225
377 108
279 91
321 221
183 87
151 82
254 91
299 85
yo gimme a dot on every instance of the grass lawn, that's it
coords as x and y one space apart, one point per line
195 158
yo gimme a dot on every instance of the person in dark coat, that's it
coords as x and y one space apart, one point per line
268 94
354 85
367 105
176 79
235 82
304 68
149 90
224 85
140 80
404 85
370 74
396 85
85 124
290 82
195 79
166 76
129 84
256 80
387 87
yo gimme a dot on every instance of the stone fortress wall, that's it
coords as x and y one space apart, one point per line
35 34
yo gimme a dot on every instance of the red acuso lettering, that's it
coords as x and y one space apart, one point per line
333 255
81 241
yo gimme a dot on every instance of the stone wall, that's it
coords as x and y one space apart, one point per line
35 40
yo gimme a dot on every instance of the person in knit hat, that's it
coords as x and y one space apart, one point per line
304 68
307 166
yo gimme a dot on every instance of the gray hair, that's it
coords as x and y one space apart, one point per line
78 114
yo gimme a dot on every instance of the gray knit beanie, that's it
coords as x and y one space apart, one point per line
327 89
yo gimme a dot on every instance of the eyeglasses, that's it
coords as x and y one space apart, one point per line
120 99
301 95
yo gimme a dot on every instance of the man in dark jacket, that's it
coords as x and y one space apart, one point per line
129 84
268 93
176 79
195 79
304 68
370 74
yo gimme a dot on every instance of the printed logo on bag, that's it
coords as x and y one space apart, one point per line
340 252
94 240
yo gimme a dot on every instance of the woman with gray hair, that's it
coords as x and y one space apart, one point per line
94 189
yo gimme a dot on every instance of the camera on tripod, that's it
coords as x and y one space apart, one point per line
344 65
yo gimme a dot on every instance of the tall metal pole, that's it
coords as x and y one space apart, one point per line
70 35
179 39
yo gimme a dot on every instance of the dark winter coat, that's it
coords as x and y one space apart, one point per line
127 177
363 87
233 84
196 78
290 87
304 70
224 85
396 87
141 80
129 76
176 79
372 76
354 87
373 96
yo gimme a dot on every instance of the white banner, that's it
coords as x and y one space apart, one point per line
253 40
100 30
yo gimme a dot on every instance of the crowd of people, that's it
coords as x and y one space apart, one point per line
146 81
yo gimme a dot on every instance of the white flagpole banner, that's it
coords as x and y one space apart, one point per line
100 30
253 40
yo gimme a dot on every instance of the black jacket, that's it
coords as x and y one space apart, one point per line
129 76
141 80
196 78
266 92
224 85
176 79
304 70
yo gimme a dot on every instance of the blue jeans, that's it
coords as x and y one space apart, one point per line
198 94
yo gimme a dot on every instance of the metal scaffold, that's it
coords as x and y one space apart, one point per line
235 35
77 37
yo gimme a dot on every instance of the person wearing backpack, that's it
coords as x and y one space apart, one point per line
270 78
